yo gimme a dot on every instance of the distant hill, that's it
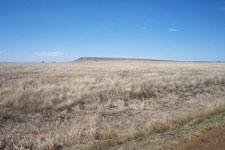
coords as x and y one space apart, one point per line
110 59
136 59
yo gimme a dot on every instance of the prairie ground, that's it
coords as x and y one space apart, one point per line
87 103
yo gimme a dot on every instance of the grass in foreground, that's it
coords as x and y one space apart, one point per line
169 137
78 105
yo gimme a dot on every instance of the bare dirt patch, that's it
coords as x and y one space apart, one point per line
212 140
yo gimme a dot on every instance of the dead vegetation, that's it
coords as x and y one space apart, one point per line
80 104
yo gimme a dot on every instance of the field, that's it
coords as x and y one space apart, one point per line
97 104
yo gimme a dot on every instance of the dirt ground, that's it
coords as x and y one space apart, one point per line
212 140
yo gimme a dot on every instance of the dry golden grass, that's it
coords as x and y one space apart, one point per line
76 105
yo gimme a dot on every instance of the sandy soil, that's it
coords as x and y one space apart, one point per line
212 140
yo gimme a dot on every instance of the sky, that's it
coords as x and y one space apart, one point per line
64 30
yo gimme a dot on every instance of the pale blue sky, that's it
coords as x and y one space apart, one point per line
63 30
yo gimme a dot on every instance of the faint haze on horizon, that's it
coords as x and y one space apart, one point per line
55 30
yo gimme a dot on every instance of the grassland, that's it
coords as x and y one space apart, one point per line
86 103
